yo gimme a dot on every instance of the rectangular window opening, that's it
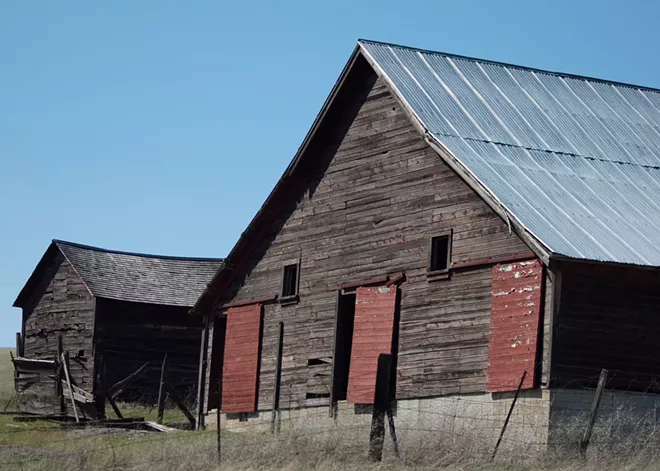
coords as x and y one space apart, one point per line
440 256
289 282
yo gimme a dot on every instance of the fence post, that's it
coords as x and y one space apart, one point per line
584 443
278 376
19 345
508 416
381 401
218 416
161 391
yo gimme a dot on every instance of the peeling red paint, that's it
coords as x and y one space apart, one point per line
514 324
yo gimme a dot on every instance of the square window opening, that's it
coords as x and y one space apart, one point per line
289 282
440 256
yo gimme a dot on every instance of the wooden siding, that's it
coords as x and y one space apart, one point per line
241 360
608 318
372 335
370 208
514 325
61 305
129 334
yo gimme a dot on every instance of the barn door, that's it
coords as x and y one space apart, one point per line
240 370
373 329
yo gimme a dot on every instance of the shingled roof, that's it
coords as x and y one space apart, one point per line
155 279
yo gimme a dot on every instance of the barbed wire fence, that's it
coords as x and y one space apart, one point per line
434 431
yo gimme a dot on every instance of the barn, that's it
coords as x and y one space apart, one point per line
122 309
487 224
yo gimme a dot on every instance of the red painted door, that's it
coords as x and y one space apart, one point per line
514 325
241 359
372 335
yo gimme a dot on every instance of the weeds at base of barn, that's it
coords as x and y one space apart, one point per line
48 448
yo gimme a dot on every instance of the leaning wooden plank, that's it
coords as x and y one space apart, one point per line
120 386
160 427
177 400
65 364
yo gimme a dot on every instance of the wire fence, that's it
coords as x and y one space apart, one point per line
430 431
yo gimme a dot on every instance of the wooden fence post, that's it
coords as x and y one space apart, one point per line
381 401
218 416
508 416
161 391
584 443
278 376
19 345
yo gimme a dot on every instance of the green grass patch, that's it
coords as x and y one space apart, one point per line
7 391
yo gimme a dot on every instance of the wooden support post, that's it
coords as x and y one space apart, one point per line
113 404
218 416
390 421
274 422
201 379
381 401
19 345
161 391
60 371
177 400
65 365
120 386
99 388
584 443
508 416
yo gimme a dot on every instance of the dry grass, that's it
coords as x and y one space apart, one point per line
7 392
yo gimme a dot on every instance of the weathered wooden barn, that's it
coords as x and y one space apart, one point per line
123 308
473 218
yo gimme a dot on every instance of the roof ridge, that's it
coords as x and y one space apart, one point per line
517 66
59 242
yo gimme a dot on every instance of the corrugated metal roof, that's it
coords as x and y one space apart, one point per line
576 161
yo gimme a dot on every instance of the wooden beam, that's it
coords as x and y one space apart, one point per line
247 302
65 364
180 404
120 386
278 377
201 378
493 260
161 391
508 416
584 443
372 281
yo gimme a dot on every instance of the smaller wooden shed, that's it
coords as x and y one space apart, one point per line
124 308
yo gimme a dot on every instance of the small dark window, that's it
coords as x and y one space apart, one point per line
440 254
290 281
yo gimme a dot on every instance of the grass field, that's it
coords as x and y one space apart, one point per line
45 446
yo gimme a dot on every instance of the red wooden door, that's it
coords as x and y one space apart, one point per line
514 325
241 359
372 335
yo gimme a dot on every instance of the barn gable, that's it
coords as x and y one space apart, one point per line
361 208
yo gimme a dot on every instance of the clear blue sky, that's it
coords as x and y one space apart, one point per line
162 126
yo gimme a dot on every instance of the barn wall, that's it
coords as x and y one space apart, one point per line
608 318
372 211
61 305
129 334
